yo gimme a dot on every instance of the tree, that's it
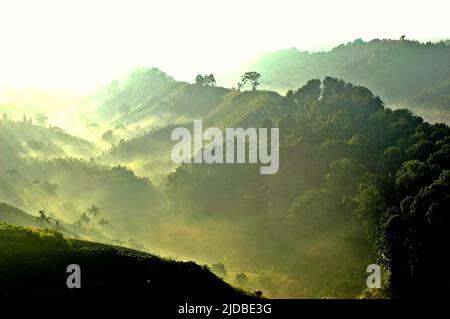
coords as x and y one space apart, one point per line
205 80
210 80
368 205
252 77
411 176
199 79
41 119
309 92
43 219
421 150
391 160
93 211
102 222
343 175
290 95
84 218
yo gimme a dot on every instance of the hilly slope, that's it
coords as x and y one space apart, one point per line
12 215
35 262
23 139
178 104
358 183
66 187
393 69
121 96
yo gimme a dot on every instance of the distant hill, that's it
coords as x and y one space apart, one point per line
20 139
176 100
434 102
121 96
66 187
12 215
178 104
393 69
36 261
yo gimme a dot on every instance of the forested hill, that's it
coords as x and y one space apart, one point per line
123 95
358 183
393 69
24 139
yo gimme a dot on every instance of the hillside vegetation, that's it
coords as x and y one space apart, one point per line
393 69
359 183
39 259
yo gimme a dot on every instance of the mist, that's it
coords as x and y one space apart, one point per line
90 93
79 46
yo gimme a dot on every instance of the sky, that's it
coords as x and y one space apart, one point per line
78 45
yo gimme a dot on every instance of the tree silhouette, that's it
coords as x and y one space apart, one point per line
205 80
84 218
43 219
252 77
93 211
102 222
41 119
199 79
210 80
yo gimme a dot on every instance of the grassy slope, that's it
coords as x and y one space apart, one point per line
33 262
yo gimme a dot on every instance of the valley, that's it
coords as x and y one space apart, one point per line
355 177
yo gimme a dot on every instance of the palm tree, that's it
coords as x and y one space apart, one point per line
84 218
93 211
43 219
102 222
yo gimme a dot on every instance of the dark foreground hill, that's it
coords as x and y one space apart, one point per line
34 262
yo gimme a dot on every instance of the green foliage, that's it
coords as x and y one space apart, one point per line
395 69
36 260
252 77
29 236
356 180
122 97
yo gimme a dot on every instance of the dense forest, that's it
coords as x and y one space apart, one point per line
359 182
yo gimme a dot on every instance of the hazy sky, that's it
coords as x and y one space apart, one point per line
78 44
